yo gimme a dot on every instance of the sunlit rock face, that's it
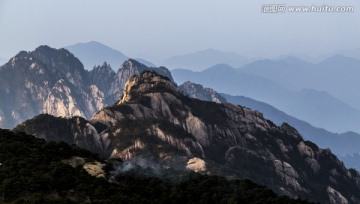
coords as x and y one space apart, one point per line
198 91
54 81
129 68
197 165
46 80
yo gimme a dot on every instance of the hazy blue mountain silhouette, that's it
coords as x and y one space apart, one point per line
205 58
354 53
353 159
94 53
278 70
316 107
336 75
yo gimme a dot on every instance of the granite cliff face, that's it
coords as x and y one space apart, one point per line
45 80
53 81
198 91
157 123
103 76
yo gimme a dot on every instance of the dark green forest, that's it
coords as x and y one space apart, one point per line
32 171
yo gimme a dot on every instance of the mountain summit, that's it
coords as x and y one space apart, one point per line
54 81
45 80
156 124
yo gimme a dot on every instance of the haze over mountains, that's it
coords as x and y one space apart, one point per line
336 75
332 75
161 113
316 107
75 91
94 53
265 80
203 59
354 53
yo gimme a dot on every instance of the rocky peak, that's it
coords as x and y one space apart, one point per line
60 60
46 80
105 67
102 73
129 68
146 82
198 91
22 54
133 64
19 60
102 76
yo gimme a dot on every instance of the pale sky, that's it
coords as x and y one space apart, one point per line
158 29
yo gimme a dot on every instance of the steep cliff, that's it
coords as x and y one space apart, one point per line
45 81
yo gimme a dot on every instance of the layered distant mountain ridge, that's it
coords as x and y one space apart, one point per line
336 75
155 123
53 81
204 59
319 108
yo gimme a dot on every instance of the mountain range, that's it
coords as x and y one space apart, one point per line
138 114
53 81
203 59
299 77
319 108
94 53
354 53
155 123
335 75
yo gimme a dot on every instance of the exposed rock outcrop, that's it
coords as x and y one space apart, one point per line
197 165
129 68
198 91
